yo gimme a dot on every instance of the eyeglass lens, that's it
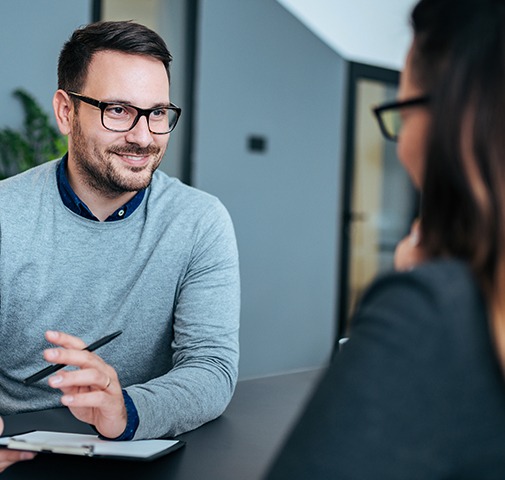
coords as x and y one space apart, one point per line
122 117
392 122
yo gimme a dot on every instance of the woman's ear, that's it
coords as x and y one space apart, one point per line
63 111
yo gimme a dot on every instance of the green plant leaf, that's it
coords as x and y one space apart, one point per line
37 142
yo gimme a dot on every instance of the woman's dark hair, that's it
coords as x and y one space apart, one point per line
123 36
458 58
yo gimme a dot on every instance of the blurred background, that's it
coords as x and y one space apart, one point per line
276 98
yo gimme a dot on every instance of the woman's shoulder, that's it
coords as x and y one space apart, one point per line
442 283
439 299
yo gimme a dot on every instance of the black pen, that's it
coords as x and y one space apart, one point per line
54 368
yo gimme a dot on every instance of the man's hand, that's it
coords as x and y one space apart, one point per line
8 457
92 392
409 252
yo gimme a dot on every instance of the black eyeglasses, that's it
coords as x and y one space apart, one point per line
122 117
388 115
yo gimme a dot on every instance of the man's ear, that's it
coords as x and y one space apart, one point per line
63 111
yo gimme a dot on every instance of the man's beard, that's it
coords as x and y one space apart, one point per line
99 172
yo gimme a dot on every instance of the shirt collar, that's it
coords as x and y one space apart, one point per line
76 205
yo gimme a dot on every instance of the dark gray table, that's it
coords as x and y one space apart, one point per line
237 446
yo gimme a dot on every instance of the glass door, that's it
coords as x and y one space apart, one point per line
379 200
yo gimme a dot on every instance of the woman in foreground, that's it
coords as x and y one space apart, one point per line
418 391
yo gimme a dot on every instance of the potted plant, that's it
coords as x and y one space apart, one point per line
36 142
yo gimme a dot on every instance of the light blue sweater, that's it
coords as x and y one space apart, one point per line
167 276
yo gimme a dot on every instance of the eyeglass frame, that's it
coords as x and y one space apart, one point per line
397 105
141 112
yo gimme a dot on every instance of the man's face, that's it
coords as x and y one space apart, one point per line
112 163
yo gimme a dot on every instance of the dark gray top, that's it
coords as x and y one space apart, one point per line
416 393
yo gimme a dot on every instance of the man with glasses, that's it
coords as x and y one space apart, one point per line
101 241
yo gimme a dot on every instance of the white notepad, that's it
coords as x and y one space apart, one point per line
89 445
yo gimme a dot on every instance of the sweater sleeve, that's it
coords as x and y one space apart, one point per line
206 350
383 406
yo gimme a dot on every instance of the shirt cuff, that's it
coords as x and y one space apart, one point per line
132 420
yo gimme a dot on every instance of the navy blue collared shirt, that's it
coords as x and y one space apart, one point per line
74 203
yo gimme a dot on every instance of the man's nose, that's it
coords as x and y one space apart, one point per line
140 133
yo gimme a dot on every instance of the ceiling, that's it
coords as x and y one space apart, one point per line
376 32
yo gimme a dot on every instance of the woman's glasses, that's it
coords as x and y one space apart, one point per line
389 118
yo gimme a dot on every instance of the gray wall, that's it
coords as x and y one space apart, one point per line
32 34
261 72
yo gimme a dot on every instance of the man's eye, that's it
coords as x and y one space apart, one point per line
117 110
159 113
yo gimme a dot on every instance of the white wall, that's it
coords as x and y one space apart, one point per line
32 34
260 71
375 32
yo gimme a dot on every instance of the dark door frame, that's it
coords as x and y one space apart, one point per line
356 71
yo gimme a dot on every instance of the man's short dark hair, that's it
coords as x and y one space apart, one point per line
121 36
